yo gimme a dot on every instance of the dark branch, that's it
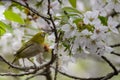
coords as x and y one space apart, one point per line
74 77
118 26
20 74
13 66
31 67
37 74
56 69
117 54
52 21
110 75
48 73
115 45
106 77
110 64
31 9
60 1
35 69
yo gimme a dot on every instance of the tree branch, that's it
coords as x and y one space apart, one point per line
31 9
110 64
117 54
53 58
37 74
74 77
13 66
48 73
20 74
52 21
115 45
56 36
56 69
106 77
118 26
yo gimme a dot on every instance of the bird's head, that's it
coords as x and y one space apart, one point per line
39 37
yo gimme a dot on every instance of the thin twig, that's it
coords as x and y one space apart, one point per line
106 77
117 54
115 45
60 1
31 67
13 66
56 70
55 33
111 65
26 68
74 77
118 26
57 60
109 76
31 9
52 21
37 74
20 74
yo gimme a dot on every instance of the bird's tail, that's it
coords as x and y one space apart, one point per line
15 59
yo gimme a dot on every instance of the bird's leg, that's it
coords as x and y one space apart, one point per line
23 62
32 62
41 59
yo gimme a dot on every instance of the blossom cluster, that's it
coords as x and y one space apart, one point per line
93 32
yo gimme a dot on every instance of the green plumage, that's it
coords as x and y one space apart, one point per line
31 48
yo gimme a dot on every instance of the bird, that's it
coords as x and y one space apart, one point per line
31 48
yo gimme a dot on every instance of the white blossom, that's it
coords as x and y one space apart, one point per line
2 9
70 31
112 25
16 10
99 33
91 17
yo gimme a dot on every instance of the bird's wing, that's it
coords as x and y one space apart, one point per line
26 45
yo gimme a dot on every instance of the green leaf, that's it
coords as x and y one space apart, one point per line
38 4
4 27
2 30
73 3
76 21
10 15
16 5
70 9
103 20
